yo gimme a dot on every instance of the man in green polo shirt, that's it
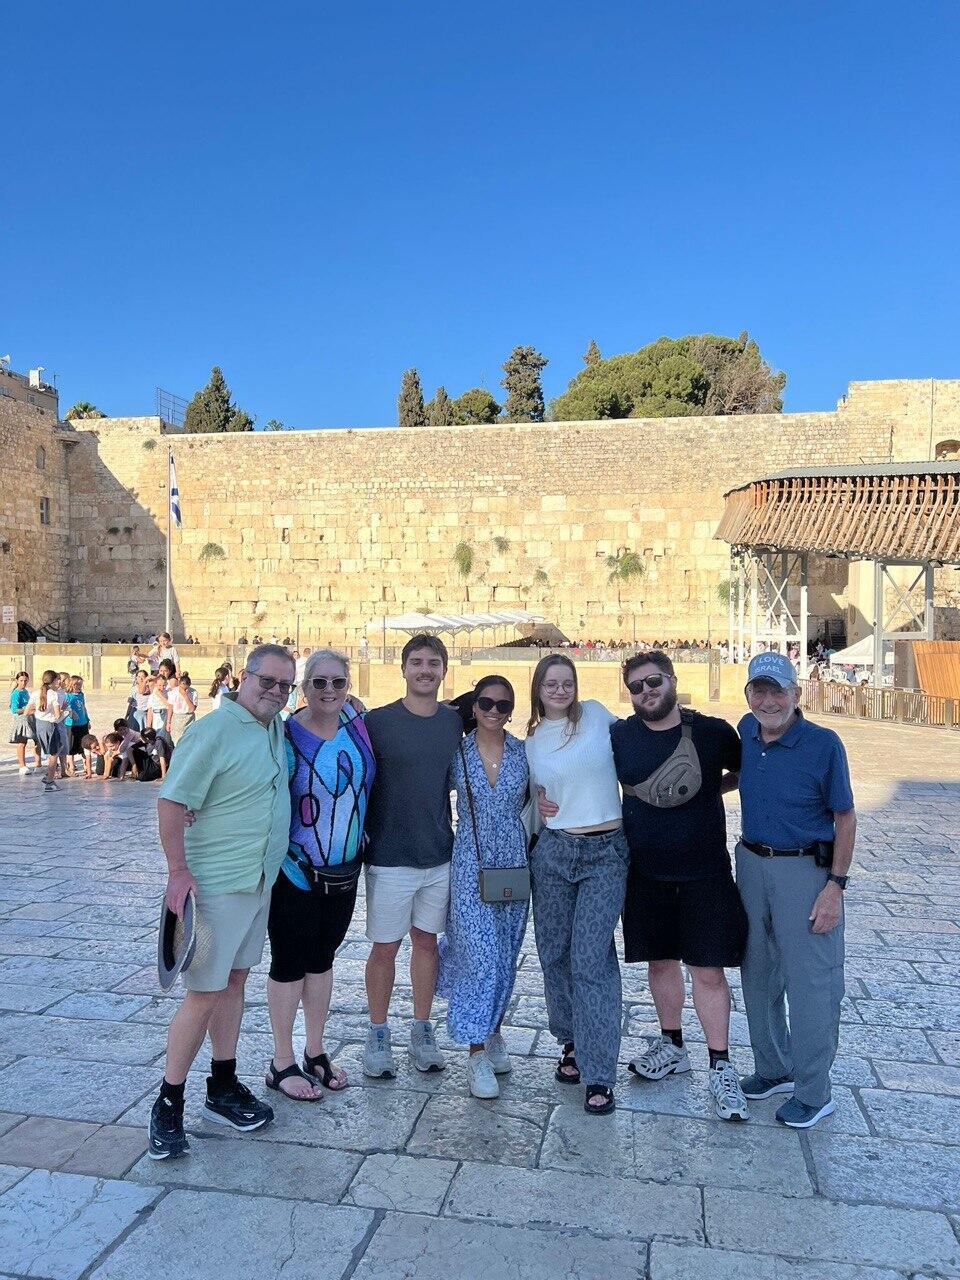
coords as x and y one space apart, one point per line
229 772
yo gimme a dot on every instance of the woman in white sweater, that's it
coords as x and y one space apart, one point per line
579 873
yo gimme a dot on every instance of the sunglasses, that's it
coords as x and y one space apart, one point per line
335 682
652 682
267 683
503 706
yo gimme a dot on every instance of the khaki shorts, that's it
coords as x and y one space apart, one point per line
238 927
401 897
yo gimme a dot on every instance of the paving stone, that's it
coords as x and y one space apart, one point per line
9 1120
103 1006
608 1205
413 1185
682 1262
75 975
582 1143
10 1175
408 1247
31 998
919 1077
896 1114
85 1092
56 1224
885 1171
68 1040
44 911
466 1129
886 1042
43 1142
108 1153
289 1171
906 1239
947 1045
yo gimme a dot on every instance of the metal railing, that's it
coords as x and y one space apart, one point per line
901 706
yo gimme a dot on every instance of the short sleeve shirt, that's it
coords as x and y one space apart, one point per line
791 788
232 772
690 841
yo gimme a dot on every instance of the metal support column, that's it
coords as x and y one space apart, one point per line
754 602
878 572
804 582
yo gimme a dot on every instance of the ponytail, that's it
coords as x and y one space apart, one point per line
46 681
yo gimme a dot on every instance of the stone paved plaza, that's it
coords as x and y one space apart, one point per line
415 1178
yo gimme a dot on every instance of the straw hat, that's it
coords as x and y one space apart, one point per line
181 941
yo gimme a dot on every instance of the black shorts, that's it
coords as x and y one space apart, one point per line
305 929
701 922
77 734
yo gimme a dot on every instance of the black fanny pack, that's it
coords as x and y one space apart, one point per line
332 880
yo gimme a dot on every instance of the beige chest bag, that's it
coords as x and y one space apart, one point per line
678 779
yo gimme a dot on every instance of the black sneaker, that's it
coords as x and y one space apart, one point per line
166 1131
236 1106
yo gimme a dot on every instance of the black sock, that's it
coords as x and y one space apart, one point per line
223 1073
675 1036
173 1091
718 1055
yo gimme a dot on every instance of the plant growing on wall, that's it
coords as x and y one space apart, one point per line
463 559
624 567
501 544
149 444
212 551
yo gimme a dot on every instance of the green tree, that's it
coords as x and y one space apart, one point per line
83 409
624 567
439 410
592 353
274 424
475 407
521 378
410 409
211 409
675 378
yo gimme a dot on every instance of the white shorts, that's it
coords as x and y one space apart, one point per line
401 897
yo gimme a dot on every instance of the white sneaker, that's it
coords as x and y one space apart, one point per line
24 772
724 1084
663 1058
377 1055
423 1047
497 1055
483 1083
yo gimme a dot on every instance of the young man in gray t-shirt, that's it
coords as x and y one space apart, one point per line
410 842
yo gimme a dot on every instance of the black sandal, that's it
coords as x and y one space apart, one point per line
275 1078
326 1074
605 1107
567 1059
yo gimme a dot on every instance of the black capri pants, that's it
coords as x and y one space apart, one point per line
305 929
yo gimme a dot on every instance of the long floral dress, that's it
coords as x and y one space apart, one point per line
479 950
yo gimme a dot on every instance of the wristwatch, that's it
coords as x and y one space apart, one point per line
842 881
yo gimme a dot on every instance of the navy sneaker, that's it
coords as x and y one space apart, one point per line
166 1131
798 1115
760 1087
236 1106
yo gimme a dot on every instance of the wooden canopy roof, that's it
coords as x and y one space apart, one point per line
905 511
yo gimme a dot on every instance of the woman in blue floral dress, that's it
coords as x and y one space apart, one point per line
479 951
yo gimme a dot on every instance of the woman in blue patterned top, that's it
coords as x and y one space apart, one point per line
331 773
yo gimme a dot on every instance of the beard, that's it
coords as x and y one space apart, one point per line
661 710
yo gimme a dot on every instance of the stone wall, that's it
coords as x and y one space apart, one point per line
340 527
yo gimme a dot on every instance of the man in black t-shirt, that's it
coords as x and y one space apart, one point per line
682 903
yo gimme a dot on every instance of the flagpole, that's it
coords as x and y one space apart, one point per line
166 623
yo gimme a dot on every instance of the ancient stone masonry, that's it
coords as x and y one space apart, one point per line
340 527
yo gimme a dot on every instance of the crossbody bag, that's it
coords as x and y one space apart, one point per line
497 884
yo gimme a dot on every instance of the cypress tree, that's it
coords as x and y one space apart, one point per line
410 409
440 410
592 353
210 410
522 381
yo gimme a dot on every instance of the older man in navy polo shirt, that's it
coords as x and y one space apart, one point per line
799 826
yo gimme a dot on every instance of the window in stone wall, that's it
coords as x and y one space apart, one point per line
41 458
44 510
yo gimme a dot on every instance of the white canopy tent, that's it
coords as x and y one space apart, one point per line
455 623
858 655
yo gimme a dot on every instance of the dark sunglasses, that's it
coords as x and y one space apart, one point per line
335 682
503 706
267 683
652 682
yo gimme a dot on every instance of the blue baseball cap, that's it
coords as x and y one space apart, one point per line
772 666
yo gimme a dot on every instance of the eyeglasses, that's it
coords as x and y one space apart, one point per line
503 706
335 682
267 683
558 686
652 682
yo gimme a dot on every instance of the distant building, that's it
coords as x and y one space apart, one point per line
29 388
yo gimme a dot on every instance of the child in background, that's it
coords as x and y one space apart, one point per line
20 733
184 700
150 757
111 764
47 706
129 738
92 756
76 722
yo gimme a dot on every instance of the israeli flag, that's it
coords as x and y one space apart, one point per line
174 494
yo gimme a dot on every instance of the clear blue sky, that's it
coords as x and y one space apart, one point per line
316 195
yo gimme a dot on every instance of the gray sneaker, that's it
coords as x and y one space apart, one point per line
423 1048
663 1058
377 1055
497 1054
757 1086
727 1095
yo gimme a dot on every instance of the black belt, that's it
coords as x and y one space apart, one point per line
767 851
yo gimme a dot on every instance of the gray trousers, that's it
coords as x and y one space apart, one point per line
578 885
785 958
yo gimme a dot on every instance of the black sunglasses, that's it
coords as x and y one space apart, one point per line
335 682
268 682
503 705
652 682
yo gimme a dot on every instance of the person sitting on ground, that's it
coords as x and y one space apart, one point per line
150 757
129 738
92 756
110 764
